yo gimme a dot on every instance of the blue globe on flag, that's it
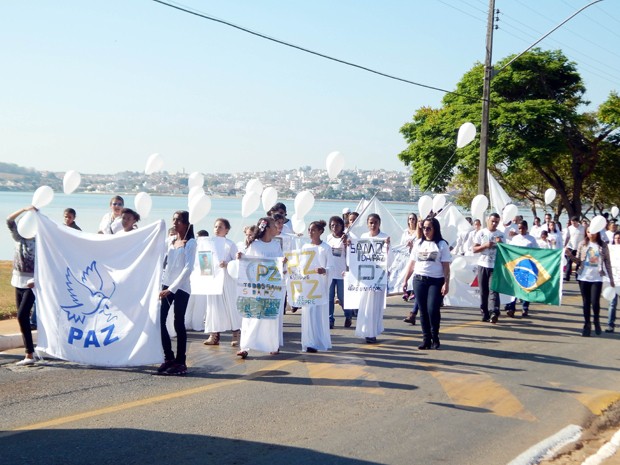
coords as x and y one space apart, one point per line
526 273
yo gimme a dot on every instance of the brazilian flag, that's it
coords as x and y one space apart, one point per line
529 274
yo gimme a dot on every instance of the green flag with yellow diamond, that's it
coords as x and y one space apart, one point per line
527 273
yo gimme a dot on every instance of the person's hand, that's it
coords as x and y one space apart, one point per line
445 289
223 264
321 270
165 293
239 255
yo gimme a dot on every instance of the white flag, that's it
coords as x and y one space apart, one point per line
98 294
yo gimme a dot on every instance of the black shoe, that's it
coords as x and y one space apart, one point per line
164 366
609 329
347 322
311 350
586 330
435 345
597 329
294 309
424 346
486 319
371 340
510 313
525 314
331 325
177 369
494 318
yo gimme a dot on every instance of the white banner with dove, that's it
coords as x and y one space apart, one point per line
97 294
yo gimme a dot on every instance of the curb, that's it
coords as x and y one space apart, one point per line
14 341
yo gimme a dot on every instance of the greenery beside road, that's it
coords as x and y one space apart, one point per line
7 293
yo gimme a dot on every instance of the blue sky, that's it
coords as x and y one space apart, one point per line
97 86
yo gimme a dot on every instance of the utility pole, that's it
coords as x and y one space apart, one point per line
486 95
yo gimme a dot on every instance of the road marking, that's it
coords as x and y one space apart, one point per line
595 400
479 390
147 401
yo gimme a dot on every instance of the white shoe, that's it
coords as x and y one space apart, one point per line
26 361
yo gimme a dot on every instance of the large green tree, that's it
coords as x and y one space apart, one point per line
539 135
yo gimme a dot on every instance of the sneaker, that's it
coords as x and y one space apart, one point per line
177 369
525 314
609 329
510 313
25 362
347 322
164 366
494 318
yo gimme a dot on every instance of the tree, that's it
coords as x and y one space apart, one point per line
538 138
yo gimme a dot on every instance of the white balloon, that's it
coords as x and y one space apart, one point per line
479 204
509 212
42 196
233 268
549 196
193 192
195 179
334 163
425 205
143 203
304 201
597 224
71 181
154 163
463 276
609 293
27 225
249 203
614 211
467 133
459 263
298 223
269 197
439 201
254 185
199 207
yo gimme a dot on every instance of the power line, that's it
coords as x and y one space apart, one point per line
303 49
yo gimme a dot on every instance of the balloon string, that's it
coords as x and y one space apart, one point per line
428 187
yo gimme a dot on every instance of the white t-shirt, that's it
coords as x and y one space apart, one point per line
555 239
339 259
575 236
535 231
524 240
428 257
109 225
591 267
487 256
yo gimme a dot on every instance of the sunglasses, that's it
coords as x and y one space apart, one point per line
427 228
117 204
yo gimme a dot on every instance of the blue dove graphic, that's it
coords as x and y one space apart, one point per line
88 294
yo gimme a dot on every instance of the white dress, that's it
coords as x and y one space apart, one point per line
315 318
372 304
221 310
263 334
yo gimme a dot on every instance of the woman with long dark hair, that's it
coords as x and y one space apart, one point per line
430 265
593 264
176 288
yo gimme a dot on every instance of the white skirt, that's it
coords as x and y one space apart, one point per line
315 327
370 314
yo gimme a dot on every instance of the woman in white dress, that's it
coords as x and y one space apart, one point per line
336 241
315 318
262 334
372 303
222 314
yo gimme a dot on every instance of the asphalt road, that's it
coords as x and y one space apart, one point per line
491 392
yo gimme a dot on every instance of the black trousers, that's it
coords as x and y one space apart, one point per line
24 300
180 299
591 297
428 297
484 282
569 265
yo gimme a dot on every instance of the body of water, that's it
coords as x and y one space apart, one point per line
91 207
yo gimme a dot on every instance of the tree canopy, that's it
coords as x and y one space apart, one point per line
539 136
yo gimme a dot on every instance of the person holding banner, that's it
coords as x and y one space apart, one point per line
430 264
263 334
336 241
315 318
22 281
523 239
372 302
176 288
111 222
593 263
485 243
221 312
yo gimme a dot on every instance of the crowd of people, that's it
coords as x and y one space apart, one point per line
426 279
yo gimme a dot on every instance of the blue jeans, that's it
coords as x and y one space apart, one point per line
611 317
337 287
428 297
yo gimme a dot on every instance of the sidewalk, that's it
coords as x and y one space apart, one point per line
10 337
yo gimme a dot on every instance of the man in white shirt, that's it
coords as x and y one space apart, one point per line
575 234
523 239
485 243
